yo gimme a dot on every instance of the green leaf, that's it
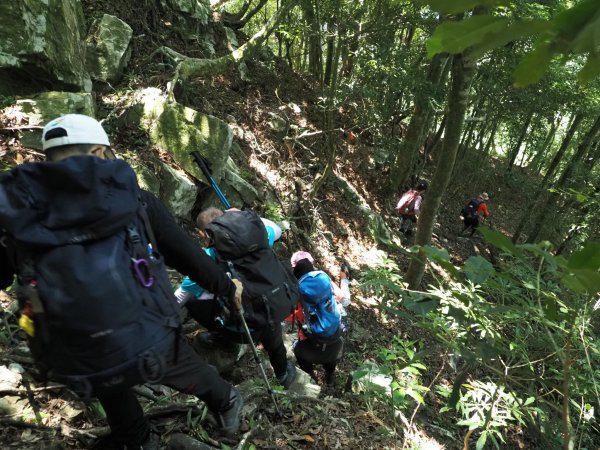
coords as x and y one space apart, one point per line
586 258
533 66
499 240
515 31
456 6
478 269
420 305
583 281
455 37
481 441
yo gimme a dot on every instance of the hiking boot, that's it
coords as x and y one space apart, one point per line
330 378
229 417
289 376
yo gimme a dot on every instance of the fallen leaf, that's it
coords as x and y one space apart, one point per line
309 438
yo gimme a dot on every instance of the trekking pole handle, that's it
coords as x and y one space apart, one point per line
205 168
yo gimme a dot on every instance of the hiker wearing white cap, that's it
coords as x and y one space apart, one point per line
472 210
95 297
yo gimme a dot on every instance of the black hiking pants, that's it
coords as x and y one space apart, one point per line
308 353
205 312
189 375
471 222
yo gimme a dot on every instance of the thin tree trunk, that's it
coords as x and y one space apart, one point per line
404 162
548 206
520 139
550 173
539 157
462 73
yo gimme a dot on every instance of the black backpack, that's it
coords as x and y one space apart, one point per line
469 211
95 298
270 290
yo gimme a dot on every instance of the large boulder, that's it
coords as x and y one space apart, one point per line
107 48
179 130
33 113
177 191
41 46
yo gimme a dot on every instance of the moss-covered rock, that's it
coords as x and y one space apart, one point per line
40 109
179 130
107 48
177 191
41 46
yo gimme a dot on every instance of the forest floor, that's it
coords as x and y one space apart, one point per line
339 418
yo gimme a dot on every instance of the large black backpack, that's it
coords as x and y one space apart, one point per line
95 298
270 290
469 211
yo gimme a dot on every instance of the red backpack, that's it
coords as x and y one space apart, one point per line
406 205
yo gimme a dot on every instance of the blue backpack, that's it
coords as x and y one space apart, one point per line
96 301
322 318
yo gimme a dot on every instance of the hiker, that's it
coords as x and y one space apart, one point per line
320 338
472 210
88 247
409 207
303 262
263 275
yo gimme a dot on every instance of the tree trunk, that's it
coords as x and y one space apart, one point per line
551 169
536 163
462 72
520 139
548 206
488 145
198 67
404 161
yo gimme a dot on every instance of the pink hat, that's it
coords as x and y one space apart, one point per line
299 256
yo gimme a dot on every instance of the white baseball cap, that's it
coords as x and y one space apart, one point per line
73 129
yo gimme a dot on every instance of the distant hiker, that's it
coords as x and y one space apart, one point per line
320 338
88 247
409 207
472 210
241 242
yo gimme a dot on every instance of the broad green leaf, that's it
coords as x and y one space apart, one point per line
420 305
455 37
583 281
456 6
574 21
513 32
586 258
478 269
590 70
499 240
441 257
481 441
533 66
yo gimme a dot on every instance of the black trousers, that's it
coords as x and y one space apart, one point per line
309 352
206 311
189 375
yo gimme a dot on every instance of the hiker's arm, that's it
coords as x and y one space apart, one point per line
181 252
484 210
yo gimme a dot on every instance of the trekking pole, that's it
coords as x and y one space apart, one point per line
204 165
257 359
